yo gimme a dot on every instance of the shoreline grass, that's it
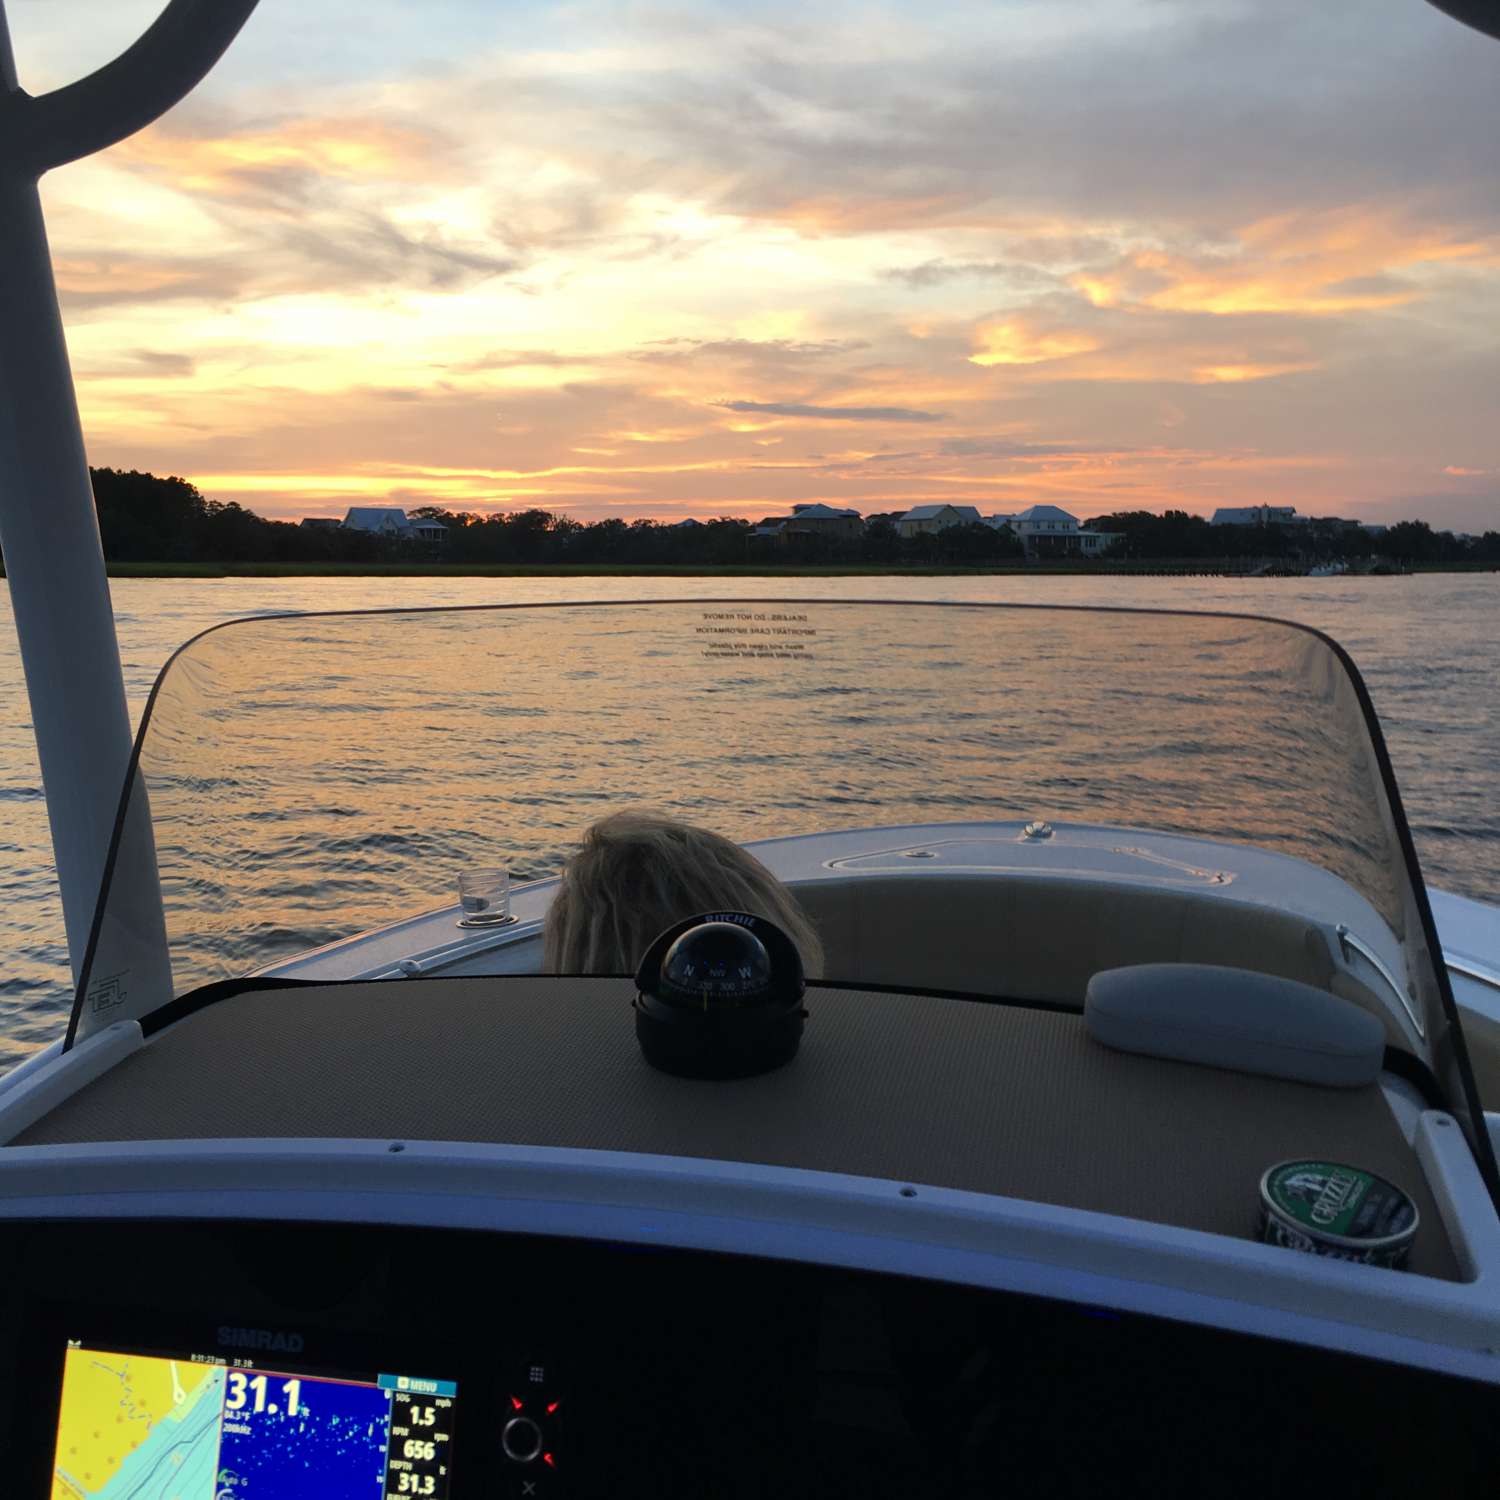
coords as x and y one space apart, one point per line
1165 567
516 570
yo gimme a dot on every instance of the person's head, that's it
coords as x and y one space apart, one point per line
636 873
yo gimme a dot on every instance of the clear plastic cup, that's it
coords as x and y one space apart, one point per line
484 896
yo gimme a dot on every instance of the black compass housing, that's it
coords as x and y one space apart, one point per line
720 996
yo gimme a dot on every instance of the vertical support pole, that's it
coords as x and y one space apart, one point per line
54 563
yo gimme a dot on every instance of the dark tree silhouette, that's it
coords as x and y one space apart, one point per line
143 518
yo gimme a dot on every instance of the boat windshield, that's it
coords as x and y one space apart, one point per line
302 780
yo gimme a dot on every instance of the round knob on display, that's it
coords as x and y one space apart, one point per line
521 1440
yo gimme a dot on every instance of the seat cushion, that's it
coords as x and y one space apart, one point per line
1042 938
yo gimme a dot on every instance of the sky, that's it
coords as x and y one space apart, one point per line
716 259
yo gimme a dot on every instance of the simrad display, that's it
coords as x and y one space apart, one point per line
195 1427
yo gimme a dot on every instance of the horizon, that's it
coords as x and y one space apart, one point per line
682 261
706 517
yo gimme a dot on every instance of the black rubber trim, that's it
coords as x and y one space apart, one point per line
226 989
222 989
1470 1112
1411 1069
207 995
1011 1002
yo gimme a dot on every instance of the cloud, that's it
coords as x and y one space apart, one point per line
835 413
164 362
122 278
521 359
1017 341
1336 260
525 254
1189 119
931 273
999 447
341 251
364 248
284 160
138 365
747 351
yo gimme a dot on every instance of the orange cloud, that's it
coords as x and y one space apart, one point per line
1017 342
341 148
849 216
111 277
1068 342
1340 261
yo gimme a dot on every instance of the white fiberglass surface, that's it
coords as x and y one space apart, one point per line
309 778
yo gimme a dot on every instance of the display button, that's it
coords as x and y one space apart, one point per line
521 1440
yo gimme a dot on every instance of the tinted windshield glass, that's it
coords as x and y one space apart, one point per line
308 778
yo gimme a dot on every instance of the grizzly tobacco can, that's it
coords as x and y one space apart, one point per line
1332 1209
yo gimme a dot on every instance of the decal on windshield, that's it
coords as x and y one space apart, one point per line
763 635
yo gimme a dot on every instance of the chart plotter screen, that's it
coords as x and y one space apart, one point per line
146 1425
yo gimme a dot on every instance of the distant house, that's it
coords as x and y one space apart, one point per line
386 520
1256 515
1049 531
823 520
999 521
685 522
810 520
392 521
322 523
924 518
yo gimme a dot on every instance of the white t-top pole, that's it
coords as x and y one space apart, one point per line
49 531
53 560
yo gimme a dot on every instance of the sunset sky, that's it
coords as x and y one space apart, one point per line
703 259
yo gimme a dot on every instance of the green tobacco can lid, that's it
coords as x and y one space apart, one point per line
1338 1207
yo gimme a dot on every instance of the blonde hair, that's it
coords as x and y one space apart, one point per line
636 873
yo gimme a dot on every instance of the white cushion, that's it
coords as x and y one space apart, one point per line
1232 1018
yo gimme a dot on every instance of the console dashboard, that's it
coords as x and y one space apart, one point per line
204 1361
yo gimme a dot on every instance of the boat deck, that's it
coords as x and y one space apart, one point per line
990 1098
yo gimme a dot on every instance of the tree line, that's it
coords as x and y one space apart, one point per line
147 519
143 518
1178 535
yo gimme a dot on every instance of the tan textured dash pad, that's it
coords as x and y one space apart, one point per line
953 1093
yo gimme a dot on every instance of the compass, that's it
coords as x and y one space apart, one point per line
720 996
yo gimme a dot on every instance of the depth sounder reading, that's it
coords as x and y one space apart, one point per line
189 1426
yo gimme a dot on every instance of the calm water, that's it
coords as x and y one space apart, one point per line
1428 646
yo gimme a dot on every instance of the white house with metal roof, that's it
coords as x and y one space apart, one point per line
1050 531
1256 515
392 521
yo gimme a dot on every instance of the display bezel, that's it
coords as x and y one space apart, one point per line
251 1391
325 1353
